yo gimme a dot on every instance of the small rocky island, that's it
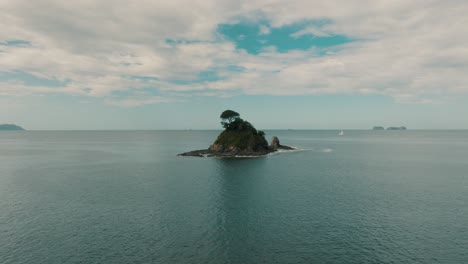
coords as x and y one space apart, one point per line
239 138
10 127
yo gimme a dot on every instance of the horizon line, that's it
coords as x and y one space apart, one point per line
268 129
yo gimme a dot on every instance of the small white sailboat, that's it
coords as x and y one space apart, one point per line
341 133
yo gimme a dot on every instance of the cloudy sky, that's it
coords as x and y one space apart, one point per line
282 64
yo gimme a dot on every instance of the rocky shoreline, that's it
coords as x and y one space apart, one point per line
215 151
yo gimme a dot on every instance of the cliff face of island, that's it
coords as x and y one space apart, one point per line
240 138
10 127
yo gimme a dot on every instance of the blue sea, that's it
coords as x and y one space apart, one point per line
125 197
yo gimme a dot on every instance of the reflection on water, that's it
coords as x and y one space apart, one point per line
241 188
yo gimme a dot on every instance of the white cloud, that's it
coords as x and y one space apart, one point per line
139 101
311 30
264 30
413 51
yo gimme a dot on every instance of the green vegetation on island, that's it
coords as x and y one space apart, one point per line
239 134
239 138
10 127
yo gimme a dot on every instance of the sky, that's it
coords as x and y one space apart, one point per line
299 64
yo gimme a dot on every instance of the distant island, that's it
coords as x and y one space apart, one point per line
396 128
10 127
388 128
239 138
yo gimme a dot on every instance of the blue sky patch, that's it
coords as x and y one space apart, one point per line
143 78
143 91
203 76
249 36
174 42
234 68
29 79
15 43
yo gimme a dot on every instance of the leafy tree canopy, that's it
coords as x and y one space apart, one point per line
229 117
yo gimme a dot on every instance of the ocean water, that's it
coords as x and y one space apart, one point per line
125 197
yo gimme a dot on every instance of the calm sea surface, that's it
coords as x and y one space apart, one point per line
125 197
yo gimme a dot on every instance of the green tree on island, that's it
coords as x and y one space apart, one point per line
228 117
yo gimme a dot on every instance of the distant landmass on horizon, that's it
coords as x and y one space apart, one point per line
389 128
10 127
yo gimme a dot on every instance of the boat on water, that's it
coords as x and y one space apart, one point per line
341 133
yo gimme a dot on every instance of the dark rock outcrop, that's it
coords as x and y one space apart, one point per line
275 144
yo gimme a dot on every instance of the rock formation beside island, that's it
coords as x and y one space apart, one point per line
10 127
378 128
239 138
